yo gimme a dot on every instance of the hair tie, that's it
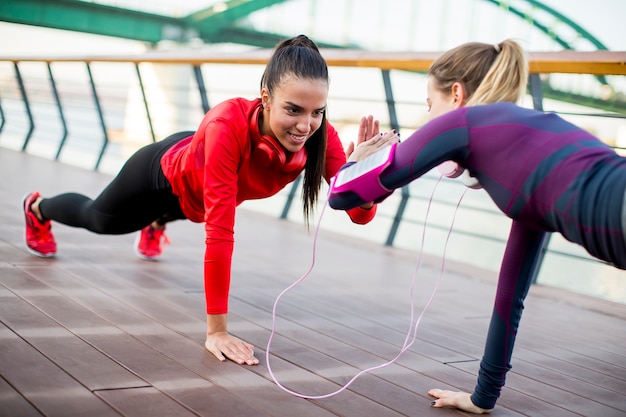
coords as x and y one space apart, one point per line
497 48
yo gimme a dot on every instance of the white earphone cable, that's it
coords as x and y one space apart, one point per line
412 329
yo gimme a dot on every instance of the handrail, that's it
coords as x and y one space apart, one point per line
596 63
566 62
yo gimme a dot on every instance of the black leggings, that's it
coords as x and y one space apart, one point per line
137 196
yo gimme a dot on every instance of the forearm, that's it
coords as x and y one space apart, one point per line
520 258
217 272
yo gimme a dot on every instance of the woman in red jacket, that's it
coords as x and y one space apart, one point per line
242 150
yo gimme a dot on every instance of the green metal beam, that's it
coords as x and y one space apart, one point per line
560 18
218 23
532 21
569 22
94 18
545 29
211 21
212 25
263 39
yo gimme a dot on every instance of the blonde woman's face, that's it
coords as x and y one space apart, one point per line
438 102
295 111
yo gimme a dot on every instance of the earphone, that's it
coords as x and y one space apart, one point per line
451 169
270 151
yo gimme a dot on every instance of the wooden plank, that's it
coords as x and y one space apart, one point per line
174 348
132 296
576 385
123 292
613 382
425 374
12 404
263 337
156 353
83 362
132 354
171 320
589 339
42 383
250 298
302 304
143 402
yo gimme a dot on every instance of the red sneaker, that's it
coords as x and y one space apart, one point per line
39 238
149 243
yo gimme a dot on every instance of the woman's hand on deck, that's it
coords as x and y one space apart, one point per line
455 399
223 346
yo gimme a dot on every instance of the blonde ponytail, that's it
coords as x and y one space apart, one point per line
506 79
489 73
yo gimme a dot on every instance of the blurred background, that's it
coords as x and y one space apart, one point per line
137 104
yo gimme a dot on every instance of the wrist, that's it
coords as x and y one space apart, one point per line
477 409
216 323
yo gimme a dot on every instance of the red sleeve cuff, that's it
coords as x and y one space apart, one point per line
360 215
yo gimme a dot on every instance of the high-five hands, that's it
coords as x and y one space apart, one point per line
370 140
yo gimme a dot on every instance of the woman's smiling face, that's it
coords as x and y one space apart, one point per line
294 111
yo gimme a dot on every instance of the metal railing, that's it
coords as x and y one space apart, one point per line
37 99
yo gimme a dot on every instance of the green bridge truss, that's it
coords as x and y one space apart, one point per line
222 24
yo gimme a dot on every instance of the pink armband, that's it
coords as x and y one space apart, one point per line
363 177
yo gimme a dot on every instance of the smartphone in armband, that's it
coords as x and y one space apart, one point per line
362 178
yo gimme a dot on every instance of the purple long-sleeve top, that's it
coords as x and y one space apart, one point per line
544 173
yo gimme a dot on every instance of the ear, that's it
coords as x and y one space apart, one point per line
458 95
265 98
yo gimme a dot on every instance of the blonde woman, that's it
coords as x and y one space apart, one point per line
544 173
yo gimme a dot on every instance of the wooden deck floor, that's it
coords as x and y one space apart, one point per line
98 332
